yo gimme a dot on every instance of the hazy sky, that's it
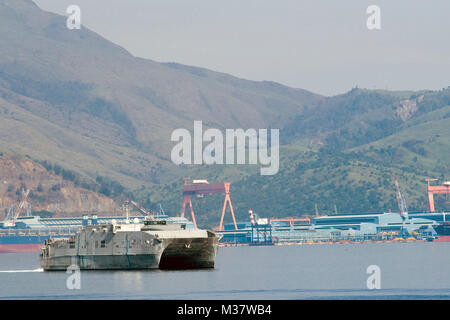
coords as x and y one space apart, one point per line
319 45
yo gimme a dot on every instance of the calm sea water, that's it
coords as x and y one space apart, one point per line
333 271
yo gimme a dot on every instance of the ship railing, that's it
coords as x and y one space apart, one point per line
37 232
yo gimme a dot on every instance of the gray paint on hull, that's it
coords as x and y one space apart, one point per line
103 262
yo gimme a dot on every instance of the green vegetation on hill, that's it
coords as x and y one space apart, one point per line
84 103
347 170
102 185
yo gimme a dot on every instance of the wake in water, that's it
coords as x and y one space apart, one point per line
15 271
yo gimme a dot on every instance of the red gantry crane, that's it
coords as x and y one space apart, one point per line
432 190
201 187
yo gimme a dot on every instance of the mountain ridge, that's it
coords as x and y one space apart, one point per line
91 88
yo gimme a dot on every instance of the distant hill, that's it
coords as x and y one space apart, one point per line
74 101
53 193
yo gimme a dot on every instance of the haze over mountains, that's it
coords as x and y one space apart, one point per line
77 100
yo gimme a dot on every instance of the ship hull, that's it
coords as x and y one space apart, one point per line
102 262
443 231
442 239
190 254
18 243
12 248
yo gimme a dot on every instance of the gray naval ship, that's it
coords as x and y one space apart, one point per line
150 244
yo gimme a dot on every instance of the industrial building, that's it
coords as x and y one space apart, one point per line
337 227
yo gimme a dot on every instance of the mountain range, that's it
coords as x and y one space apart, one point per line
72 99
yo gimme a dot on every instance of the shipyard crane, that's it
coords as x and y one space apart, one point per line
255 220
9 217
401 205
14 212
23 204
199 188
139 207
400 200
161 210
